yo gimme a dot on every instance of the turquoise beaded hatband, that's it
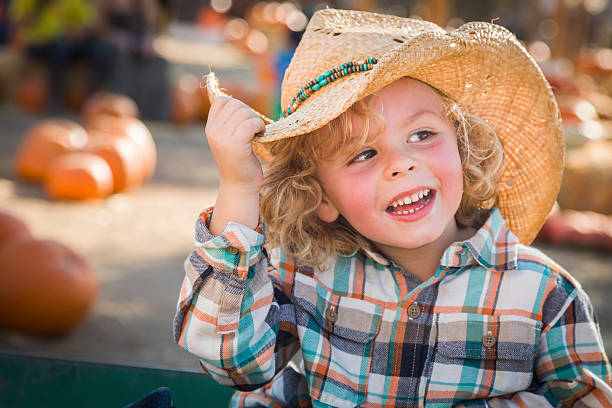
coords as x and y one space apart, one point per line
322 80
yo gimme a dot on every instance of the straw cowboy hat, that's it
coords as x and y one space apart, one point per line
480 65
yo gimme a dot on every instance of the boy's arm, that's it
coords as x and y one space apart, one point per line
233 312
571 367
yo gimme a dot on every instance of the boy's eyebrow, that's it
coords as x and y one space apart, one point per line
404 122
409 119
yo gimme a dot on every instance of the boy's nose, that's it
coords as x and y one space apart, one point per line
399 165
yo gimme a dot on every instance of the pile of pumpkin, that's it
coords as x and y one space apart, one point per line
114 151
584 212
45 287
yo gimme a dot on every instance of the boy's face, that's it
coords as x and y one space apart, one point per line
378 190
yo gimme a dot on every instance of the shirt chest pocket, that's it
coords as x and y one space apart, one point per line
480 356
337 337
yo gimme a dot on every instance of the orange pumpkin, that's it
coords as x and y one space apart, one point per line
79 176
45 141
11 228
32 93
186 100
77 93
574 109
123 158
132 129
45 287
105 103
585 228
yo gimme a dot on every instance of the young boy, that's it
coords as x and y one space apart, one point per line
409 166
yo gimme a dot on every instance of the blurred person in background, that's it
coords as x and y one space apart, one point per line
4 31
58 33
130 24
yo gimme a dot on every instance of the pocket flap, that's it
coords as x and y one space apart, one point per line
354 319
485 337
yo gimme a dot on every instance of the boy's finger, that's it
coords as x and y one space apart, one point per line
247 129
223 125
218 103
244 113
226 115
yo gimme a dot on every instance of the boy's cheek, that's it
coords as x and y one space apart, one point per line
454 186
346 195
357 192
445 163
449 168
354 200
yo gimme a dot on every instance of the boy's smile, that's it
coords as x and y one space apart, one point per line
403 187
412 205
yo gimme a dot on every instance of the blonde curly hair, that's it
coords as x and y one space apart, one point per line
291 193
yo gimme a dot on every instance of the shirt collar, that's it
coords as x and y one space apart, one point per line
372 254
493 246
376 257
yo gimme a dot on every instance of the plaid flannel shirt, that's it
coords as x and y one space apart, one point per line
499 324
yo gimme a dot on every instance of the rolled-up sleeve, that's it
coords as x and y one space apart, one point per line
228 307
236 250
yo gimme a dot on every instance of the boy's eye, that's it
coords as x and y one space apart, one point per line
366 154
420 136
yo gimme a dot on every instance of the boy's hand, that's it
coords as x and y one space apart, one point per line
230 128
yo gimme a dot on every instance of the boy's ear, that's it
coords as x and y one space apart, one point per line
327 211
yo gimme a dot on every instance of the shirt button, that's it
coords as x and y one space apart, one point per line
414 311
232 250
331 313
488 340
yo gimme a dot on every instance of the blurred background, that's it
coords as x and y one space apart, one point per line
104 166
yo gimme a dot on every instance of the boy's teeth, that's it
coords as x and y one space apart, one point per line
411 199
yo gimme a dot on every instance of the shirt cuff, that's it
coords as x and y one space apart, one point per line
235 250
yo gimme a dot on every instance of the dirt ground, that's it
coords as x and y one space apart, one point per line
136 243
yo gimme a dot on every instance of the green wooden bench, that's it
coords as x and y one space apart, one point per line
41 382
